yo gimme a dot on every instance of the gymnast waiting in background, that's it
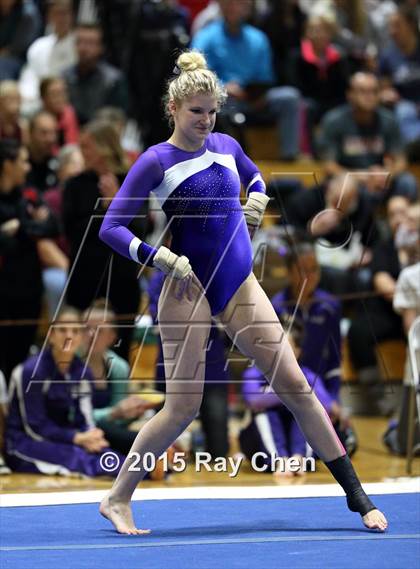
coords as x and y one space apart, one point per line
319 313
272 429
197 177
50 428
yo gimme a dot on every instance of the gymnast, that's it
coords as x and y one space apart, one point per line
197 175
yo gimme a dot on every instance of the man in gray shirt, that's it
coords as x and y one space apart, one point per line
93 83
364 138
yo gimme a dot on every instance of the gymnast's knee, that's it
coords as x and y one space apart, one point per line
183 414
298 396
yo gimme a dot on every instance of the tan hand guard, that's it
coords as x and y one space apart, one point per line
255 207
171 264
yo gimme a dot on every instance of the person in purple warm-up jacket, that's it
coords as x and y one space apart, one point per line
197 175
272 429
50 428
319 315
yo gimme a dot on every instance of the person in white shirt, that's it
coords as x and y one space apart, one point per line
48 55
407 304
407 295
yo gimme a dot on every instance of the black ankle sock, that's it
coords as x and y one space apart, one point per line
342 470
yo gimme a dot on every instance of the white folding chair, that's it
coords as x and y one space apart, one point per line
414 402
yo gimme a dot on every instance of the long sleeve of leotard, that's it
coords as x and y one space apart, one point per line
249 173
145 175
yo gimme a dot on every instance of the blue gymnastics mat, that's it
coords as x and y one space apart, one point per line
214 534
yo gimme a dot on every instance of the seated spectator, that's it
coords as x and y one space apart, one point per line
241 56
49 55
364 138
214 407
212 11
54 97
127 131
12 125
407 295
407 289
42 151
407 304
85 200
319 70
23 220
70 163
377 31
114 116
375 320
50 427
318 314
93 83
340 215
351 16
407 237
54 254
113 406
399 67
20 24
4 469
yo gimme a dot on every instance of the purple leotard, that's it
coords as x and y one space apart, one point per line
199 193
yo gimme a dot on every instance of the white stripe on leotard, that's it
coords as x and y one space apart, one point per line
133 249
256 178
180 172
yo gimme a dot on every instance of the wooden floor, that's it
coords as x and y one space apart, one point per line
372 461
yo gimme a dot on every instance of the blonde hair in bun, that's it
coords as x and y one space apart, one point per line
192 77
191 61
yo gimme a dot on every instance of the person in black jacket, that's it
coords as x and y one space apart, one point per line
319 70
94 271
157 30
23 219
341 216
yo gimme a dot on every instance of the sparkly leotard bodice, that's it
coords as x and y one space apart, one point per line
199 193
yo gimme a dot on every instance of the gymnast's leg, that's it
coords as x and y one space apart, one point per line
184 327
252 324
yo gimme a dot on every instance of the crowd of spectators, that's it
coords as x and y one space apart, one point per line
81 84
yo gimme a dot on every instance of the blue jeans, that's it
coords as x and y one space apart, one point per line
9 67
54 280
282 106
405 184
408 118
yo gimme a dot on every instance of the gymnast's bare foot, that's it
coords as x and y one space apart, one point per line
120 515
375 520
